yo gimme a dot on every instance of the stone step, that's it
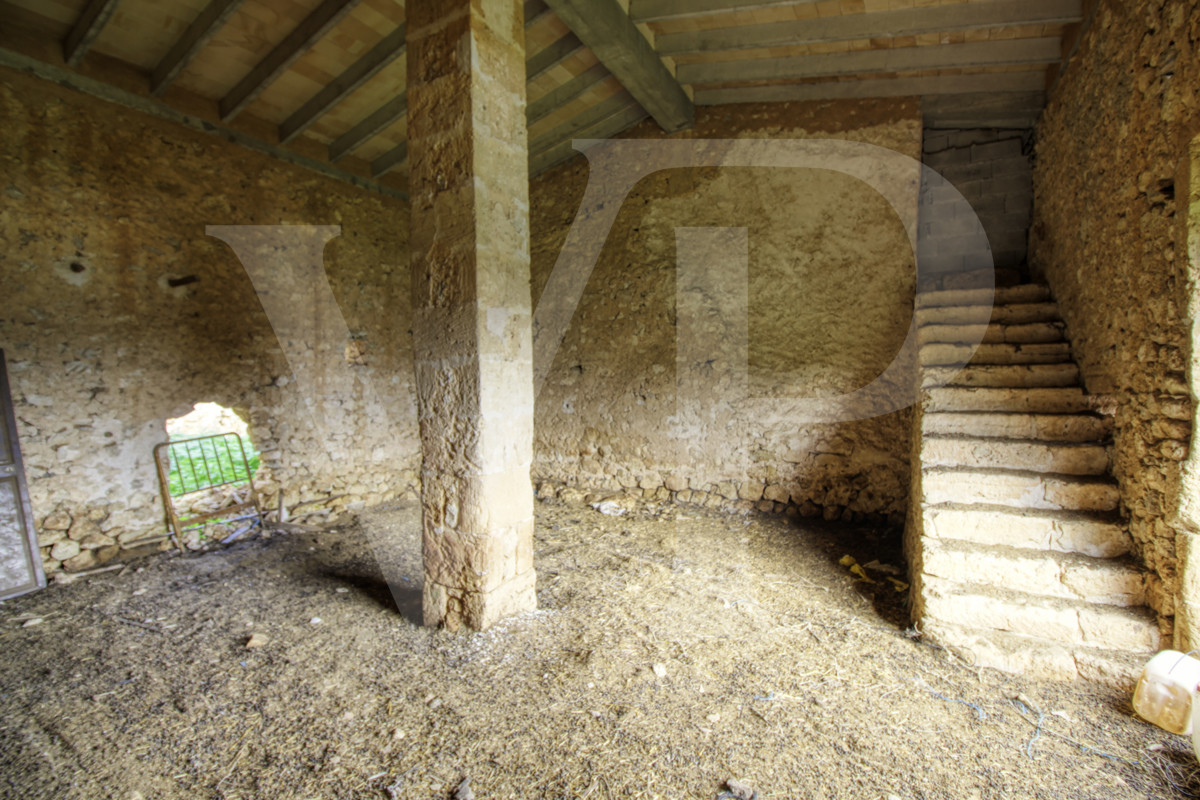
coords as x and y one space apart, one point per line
1038 657
1037 427
1014 454
1000 296
969 279
1015 314
1068 576
1004 376
1033 333
945 353
1061 400
1020 490
1090 534
1068 622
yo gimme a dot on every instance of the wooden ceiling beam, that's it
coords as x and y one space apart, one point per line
582 121
157 108
389 160
606 128
394 110
570 91
199 33
86 30
535 12
286 53
1023 83
657 10
381 55
983 110
604 27
903 22
380 120
1006 52
551 56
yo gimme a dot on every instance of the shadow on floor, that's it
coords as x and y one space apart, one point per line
401 597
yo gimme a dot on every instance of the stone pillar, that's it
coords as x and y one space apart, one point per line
472 335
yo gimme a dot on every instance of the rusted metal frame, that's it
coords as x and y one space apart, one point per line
178 525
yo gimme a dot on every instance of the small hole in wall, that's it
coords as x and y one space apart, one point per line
76 267
175 283
1166 188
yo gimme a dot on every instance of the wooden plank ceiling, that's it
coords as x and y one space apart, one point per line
325 79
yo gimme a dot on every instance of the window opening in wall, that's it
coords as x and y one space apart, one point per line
206 473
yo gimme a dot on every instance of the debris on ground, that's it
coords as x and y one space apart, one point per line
738 790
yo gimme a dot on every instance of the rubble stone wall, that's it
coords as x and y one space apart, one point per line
119 312
1108 236
830 293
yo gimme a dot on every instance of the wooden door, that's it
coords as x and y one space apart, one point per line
20 559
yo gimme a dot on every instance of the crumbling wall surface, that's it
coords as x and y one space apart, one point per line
1107 235
119 313
830 292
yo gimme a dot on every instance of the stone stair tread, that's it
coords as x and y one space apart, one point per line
1000 295
971 278
934 354
1038 657
1018 488
1064 458
989 333
1116 581
1015 313
1094 533
1069 621
1080 427
1044 400
1004 376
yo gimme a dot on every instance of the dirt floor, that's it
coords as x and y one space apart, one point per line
673 649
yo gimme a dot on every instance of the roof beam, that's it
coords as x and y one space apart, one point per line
903 22
87 28
394 110
193 40
571 90
384 117
655 10
1006 52
585 119
157 108
551 56
604 27
385 52
294 45
535 12
999 82
622 120
389 160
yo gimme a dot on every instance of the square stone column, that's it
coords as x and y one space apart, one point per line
472 334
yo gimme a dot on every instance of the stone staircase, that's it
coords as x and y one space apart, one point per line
1019 557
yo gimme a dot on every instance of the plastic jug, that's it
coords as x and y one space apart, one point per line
1164 692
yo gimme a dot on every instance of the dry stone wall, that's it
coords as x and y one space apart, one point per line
119 313
830 292
1108 235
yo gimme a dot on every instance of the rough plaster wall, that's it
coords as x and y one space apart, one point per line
831 281
102 209
994 171
1107 235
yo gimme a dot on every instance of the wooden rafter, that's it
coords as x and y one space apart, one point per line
571 90
998 83
203 28
286 53
551 56
1006 52
385 52
902 22
376 123
610 126
657 10
389 160
86 30
616 42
